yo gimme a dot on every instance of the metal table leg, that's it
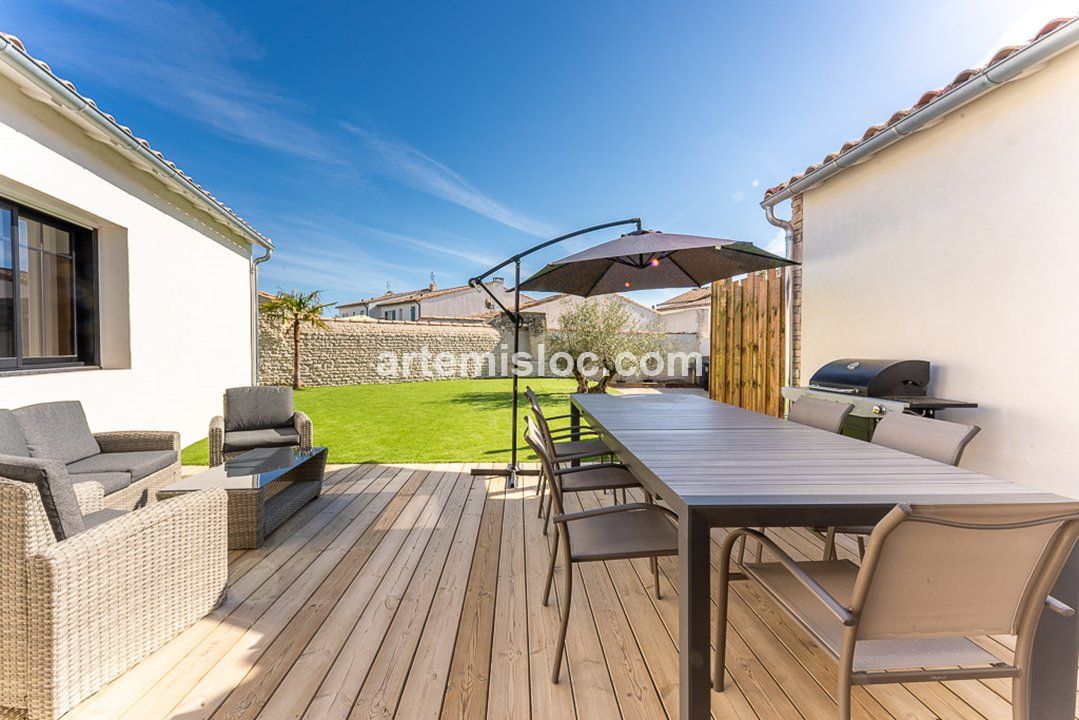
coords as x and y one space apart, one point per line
1056 652
694 616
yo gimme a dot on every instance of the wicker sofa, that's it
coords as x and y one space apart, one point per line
257 417
88 591
121 470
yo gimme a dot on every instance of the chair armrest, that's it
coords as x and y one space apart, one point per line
216 440
1058 607
103 599
549 418
790 565
610 509
566 432
135 440
91 496
302 423
593 466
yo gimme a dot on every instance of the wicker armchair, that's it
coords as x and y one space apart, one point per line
256 417
79 612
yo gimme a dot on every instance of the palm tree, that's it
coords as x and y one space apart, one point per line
296 309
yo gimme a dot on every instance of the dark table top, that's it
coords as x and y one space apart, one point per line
248 471
741 468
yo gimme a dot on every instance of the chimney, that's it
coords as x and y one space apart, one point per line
498 281
432 286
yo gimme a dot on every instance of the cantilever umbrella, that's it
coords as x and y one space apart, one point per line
649 259
639 260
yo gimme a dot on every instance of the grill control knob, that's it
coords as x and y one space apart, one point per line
878 410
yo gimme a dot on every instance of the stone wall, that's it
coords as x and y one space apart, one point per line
348 351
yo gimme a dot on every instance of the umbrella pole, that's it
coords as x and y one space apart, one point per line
512 470
511 481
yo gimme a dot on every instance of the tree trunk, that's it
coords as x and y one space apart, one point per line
297 382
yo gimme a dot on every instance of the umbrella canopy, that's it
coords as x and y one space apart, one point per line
649 259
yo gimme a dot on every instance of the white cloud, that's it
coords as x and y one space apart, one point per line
778 244
409 166
755 183
183 57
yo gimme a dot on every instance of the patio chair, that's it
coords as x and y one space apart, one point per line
619 532
583 478
257 417
820 414
926 437
88 590
566 450
932 577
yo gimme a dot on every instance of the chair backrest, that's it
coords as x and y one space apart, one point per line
257 408
541 421
820 414
536 441
938 571
934 439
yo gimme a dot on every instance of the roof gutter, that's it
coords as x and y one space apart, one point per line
987 80
64 96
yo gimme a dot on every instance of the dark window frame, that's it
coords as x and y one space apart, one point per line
84 296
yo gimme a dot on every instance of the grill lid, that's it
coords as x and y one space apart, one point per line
873 378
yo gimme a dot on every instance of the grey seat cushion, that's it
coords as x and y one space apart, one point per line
55 488
257 408
251 439
139 464
101 516
57 431
110 481
12 441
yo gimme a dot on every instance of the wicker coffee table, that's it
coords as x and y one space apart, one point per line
265 487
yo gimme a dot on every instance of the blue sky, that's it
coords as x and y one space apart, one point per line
377 142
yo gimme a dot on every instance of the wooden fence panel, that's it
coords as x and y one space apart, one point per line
747 342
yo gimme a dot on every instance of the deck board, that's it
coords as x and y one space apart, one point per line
414 592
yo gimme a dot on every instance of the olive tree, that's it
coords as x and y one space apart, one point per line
602 331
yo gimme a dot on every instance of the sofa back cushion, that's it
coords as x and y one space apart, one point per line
257 408
55 488
57 431
12 441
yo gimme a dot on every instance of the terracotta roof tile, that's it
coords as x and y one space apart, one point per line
926 98
21 47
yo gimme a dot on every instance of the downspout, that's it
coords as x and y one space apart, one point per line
255 262
788 294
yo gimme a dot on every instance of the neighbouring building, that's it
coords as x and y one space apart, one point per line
689 312
431 302
947 233
553 307
123 283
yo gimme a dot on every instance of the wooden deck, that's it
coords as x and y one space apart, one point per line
413 591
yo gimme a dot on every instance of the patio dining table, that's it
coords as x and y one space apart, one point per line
717 465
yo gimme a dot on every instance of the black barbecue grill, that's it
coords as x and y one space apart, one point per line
875 387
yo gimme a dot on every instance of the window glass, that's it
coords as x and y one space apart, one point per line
46 290
7 287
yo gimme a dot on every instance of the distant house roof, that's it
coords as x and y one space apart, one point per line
391 298
926 99
15 56
691 298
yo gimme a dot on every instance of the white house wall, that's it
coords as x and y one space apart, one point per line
555 309
175 291
958 245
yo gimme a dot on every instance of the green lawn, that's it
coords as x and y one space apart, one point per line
444 421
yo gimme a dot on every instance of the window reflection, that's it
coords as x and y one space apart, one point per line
46 290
